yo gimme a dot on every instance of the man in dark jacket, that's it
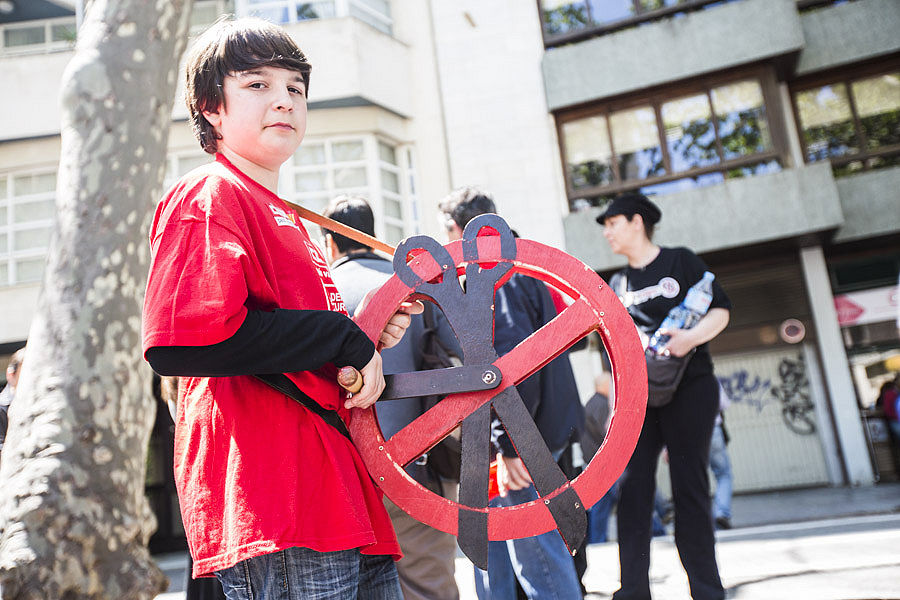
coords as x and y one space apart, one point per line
427 569
541 564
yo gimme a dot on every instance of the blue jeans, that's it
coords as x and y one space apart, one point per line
542 564
720 465
598 516
304 574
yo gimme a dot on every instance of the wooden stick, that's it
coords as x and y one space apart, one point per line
350 379
332 225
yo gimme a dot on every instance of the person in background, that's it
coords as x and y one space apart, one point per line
8 393
720 465
657 280
541 564
597 413
427 569
203 588
889 403
596 424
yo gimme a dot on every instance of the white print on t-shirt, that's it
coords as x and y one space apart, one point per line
282 217
667 288
332 295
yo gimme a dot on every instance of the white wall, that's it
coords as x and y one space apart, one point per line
18 304
500 135
29 103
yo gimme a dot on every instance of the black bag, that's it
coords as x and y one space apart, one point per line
446 457
664 374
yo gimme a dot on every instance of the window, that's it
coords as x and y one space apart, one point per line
565 21
854 122
205 12
668 142
27 211
376 13
31 37
321 169
179 163
367 166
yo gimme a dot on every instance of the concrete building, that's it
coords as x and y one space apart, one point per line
768 131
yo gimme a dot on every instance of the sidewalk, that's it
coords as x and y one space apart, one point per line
791 506
771 521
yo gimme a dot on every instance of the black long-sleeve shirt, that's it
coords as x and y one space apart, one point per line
280 341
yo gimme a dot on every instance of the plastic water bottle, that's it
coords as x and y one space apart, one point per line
684 316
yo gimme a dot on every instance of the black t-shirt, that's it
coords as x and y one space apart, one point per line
651 292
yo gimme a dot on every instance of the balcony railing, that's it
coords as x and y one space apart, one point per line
566 22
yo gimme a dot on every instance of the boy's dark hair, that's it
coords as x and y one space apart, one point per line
230 46
355 212
465 203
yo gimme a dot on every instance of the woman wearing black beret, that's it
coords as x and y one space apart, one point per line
656 280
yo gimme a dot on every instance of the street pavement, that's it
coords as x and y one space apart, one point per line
835 559
815 544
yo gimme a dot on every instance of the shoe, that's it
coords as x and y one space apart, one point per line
723 523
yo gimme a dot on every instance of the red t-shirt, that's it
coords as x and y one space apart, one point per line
256 472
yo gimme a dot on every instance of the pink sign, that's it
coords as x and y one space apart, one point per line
867 306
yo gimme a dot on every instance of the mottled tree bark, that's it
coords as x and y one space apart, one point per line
74 522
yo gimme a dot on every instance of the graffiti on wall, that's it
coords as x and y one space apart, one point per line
742 387
790 390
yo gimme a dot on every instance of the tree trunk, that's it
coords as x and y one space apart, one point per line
74 522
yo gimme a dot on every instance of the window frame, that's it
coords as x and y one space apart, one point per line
221 7
45 47
655 98
374 190
342 8
845 75
9 254
175 168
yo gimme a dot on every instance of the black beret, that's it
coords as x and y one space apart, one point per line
630 204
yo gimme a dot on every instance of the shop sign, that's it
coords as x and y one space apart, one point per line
868 306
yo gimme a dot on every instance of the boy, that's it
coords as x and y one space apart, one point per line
275 501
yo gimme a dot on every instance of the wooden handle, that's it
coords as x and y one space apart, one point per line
350 379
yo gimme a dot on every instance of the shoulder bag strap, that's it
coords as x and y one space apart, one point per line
283 384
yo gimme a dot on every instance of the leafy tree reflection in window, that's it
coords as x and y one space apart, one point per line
878 104
690 135
741 112
707 136
827 122
564 16
854 123
588 154
636 140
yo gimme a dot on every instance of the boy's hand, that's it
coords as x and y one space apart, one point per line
373 385
398 323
